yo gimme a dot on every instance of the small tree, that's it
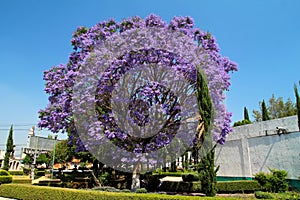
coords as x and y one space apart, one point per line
43 158
246 115
245 121
297 104
9 149
27 160
265 115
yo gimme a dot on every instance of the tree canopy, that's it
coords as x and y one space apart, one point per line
275 108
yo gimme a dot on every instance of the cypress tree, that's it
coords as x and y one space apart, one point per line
246 115
265 115
297 104
207 173
9 149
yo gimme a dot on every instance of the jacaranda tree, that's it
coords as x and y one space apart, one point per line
132 88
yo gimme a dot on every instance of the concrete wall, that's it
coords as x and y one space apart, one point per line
255 147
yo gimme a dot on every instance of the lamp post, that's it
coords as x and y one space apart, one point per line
53 158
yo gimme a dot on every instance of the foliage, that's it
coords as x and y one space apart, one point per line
63 152
9 149
163 174
16 173
4 172
297 104
40 173
172 186
43 158
245 121
274 181
5 179
105 178
141 190
240 123
263 195
190 177
244 186
29 192
27 160
246 115
24 180
276 108
208 173
57 116
284 195
264 112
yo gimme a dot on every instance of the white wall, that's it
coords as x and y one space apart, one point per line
255 147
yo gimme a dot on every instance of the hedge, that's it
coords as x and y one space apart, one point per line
16 173
238 186
5 179
4 172
170 186
29 192
21 181
5 176
163 174
190 177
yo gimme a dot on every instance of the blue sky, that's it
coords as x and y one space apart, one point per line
262 36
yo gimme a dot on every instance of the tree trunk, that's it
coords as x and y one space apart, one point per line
136 184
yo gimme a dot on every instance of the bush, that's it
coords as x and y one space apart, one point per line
141 190
40 173
5 179
16 173
21 181
190 177
263 195
104 178
169 186
274 181
238 186
4 172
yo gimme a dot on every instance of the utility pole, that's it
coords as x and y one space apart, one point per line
35 154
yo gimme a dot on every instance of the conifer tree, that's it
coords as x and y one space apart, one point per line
246 115
206 170
9 149
265 115
297 104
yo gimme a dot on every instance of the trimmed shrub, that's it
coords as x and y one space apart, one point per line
40 173
26 171
4 173
5 179
5 176
190 177
141 190
169 186
16 173
263 195
21 181
29 192
238 186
